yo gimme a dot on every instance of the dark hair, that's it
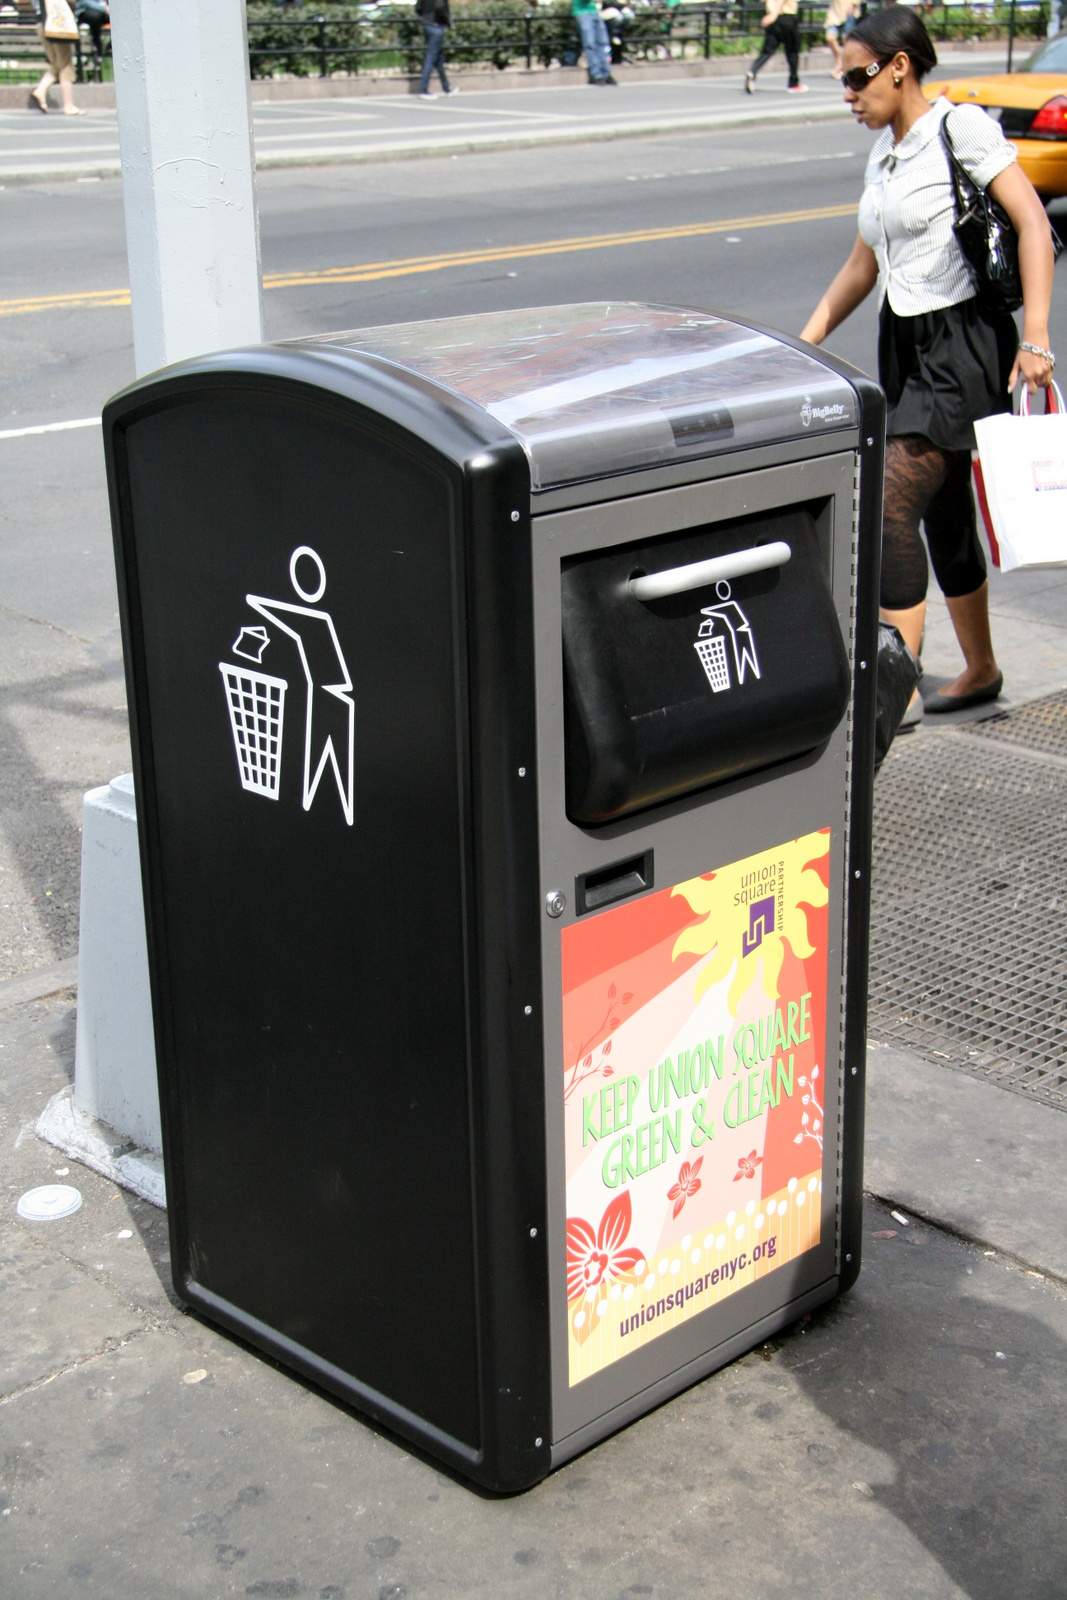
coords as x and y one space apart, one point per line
893 29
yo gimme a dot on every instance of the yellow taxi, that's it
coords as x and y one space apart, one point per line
1031 107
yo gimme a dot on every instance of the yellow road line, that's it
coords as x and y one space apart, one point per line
373 270
62 302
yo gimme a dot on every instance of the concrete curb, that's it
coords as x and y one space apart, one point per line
471 81
576 135
40 984
523 139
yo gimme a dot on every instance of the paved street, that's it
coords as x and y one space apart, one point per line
904 1442
348 246
63 244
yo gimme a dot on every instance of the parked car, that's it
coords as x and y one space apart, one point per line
1031 107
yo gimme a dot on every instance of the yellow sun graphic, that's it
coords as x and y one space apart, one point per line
724 899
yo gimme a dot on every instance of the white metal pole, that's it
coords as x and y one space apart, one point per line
188 176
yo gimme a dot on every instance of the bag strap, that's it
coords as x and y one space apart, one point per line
1053 401
957 170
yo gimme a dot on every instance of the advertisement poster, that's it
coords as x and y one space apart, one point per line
694 1034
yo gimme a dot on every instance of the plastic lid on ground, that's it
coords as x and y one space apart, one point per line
591 390
50 1202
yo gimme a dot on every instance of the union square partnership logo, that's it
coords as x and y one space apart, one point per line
763 891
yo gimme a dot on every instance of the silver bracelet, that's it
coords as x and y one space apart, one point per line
1036 350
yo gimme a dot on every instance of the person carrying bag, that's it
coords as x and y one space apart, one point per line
949 353
58 32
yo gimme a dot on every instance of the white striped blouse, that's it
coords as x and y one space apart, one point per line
907 211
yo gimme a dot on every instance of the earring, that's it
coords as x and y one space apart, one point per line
897 82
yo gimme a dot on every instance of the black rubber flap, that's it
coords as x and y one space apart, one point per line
667 696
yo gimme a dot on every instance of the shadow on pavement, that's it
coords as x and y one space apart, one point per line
961 1390
40 803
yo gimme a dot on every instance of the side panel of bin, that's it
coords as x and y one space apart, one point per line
294 585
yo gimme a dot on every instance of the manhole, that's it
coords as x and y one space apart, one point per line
968 962
1039 725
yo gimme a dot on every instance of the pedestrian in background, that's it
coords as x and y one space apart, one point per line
436 19
595 41
839 25
780 27
57 31
944 359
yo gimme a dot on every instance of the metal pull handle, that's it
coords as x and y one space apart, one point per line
676 580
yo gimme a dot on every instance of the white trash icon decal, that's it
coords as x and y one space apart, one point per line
724 623
256 699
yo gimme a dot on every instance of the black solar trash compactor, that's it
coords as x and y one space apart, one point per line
502 697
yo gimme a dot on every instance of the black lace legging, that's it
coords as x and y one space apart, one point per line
932 486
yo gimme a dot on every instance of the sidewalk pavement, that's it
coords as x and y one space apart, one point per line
324 132
906 1441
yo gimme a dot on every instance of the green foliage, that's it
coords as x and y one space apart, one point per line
984 21
299 35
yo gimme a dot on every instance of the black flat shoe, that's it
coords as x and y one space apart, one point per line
939 704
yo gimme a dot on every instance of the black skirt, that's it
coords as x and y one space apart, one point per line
943 370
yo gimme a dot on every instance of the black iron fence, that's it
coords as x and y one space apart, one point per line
347 36
353 38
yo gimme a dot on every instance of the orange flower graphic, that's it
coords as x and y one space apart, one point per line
746 1166
591 1256
688 1183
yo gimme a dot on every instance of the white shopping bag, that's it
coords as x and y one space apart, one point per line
1020 480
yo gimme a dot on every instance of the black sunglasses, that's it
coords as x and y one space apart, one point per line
858 78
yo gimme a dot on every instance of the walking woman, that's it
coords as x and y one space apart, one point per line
943 360
59 54
780 28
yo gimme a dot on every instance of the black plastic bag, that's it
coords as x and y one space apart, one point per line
898 673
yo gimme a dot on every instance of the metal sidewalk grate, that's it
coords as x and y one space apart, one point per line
968 955
1040 725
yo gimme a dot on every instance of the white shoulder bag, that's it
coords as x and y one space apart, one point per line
59 20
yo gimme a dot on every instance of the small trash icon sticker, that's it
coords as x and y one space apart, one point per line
256 699
723 622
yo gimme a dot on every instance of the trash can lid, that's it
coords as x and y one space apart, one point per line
591 390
